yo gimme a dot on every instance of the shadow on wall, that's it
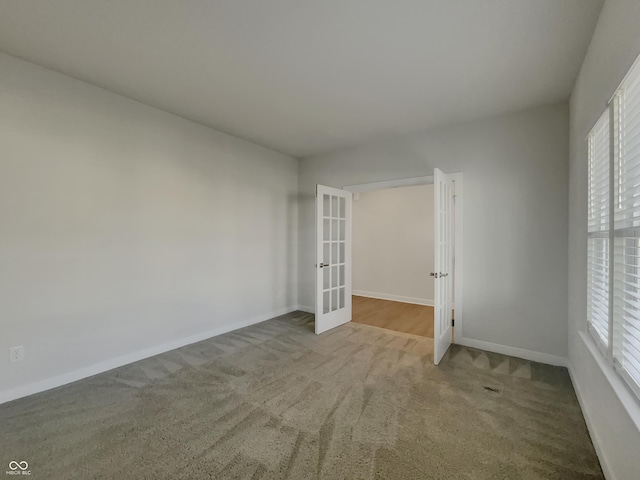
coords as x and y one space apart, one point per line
306 254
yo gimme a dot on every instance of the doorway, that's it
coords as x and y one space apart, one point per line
393 257
334 217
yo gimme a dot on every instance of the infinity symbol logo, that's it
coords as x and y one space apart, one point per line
13 465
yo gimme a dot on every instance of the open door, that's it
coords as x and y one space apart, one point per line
333 257
443 261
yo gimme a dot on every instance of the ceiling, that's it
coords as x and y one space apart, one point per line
305 77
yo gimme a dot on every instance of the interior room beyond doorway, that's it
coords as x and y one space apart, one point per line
393 256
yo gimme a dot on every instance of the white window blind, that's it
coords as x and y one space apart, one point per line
599 231
626 288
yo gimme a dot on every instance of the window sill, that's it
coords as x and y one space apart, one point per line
629 401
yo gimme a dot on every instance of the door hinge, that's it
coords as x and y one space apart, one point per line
453 322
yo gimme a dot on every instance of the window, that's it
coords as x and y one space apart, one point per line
599 232
613 265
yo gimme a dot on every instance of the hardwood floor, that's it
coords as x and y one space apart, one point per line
398 316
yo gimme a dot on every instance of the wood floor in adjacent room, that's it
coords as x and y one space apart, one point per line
398 316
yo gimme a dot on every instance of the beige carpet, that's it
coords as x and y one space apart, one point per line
276 401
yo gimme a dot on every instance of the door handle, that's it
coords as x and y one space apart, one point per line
323 265
433 274
439 275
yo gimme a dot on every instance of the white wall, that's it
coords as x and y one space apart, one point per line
124 228
613 420
515 219
393 244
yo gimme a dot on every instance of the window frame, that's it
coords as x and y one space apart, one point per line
605 348
616 237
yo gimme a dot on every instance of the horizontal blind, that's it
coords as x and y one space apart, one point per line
626 311
598 287
626 345
599 176
627 137
598 245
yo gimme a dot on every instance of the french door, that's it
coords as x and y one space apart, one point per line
333 257
443 261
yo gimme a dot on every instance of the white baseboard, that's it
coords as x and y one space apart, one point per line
65 378
306 309
393 298
514 352
592 432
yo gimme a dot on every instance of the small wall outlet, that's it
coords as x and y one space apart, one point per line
16 354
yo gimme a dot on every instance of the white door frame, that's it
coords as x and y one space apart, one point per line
458 234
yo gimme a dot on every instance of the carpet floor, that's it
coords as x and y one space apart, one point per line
275 401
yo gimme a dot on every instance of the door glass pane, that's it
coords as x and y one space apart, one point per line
326 210
325 252
334 277
326 301
342 229
342 260
334 206
334 229
326 229
334 299
342 298
342 208
342 275
334 254
325 278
